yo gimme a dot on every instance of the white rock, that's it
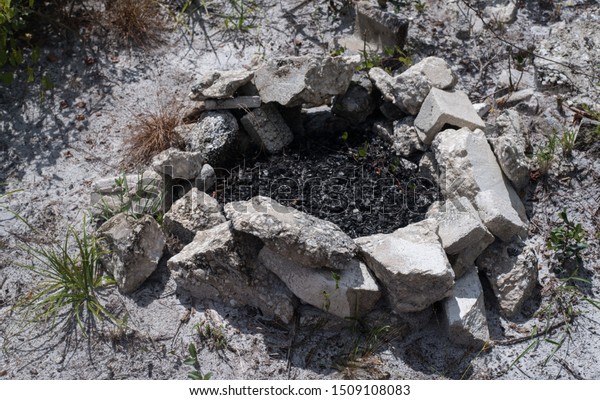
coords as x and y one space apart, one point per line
407 91
437 71
179 164
444 108
468 168
131 249
465 311
266 127
410 264
220 84
349 293
300 237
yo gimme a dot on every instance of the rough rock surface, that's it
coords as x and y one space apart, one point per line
213 135
294 81
509 148
267 128
407 91
442 108
300 237
410 264
465 311
404 138
196 211
437 71
220 84
349 293
512 271
131 249
381 28
179 164
468 168
358 102
212 267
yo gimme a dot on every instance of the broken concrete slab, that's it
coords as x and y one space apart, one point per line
468 168
349 293
410 264
299 236
442 108
266 127
220 84
237 103
512 270
131 248
196 211
381 28
212 267
465 311
310 80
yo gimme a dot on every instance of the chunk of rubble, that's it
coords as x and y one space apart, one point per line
357 104
468 168
410 264
179 164
220 84
237 103
437 71
465 311
442 108
293 234
266 127
349 293
194 212
404 138
132 249
381 28
310 80
512 270
406 91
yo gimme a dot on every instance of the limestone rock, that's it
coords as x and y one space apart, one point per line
220 84
465 311
381 28
351 292
357 103
294 81
468 168
132 249
437 71
179 164
196 211
407 91
266 127
404 138
300 237
237 103
212 267
444 108
510 147
411 265
512 271
214 135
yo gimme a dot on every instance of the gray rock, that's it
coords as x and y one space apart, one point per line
437 71
237 103
196 211
390 111
131 248
482 109
459 225
512 271
407 91
514 98
428 168
516 80
404 138
410 264
501 14
358 102
212 267
381 28
300 237
141 193
349 293
465 311
466 258
266 127
444 108
468 168
214 135
207 178
295 81
220 84
179 164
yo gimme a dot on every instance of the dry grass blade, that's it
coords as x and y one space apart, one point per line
154 132
137 22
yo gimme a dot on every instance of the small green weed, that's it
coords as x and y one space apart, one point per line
420 6
70 282
567 240
363 150
215 336
545 155
192 360
567 142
